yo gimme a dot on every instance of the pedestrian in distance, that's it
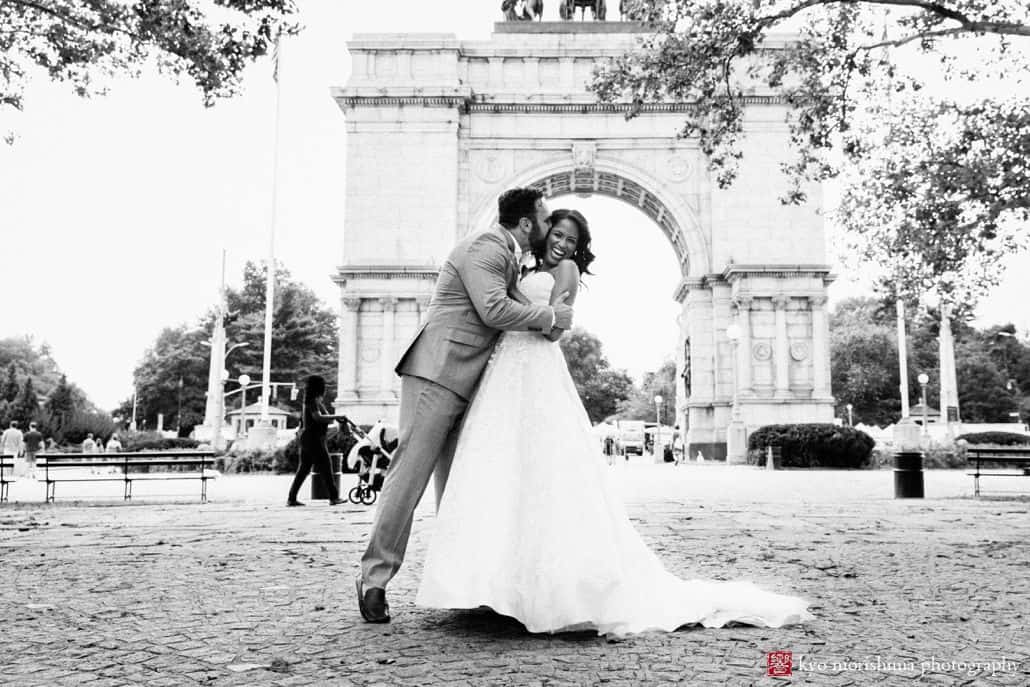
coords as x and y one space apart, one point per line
315 423
33 444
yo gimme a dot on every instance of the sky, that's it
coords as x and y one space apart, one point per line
114 211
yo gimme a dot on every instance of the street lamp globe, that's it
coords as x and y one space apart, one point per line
923 378
733 332
658 399
244 379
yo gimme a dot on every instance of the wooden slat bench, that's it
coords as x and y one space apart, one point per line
6 475
56 467
1018 457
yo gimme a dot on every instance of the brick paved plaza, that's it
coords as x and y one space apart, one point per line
243 591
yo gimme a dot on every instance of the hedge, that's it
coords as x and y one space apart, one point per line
1001 438
160 444
284 460
812 445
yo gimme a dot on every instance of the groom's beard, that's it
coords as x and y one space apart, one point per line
538 238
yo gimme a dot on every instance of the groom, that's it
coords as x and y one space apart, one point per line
440 369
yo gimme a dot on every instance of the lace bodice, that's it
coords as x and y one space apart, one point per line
537 286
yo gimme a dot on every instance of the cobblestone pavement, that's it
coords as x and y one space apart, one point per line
243 591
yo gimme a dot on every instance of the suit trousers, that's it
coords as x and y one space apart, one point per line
430 417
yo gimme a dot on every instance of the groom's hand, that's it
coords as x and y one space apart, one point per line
562 313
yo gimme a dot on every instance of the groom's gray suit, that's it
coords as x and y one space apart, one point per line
439 372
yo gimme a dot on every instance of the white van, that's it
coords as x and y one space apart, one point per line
631 436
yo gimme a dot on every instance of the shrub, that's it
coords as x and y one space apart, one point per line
256 460
152 441
812 445
284 459
1002 438
77 425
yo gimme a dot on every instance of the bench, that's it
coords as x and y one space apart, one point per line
6 475
127 468
1008 456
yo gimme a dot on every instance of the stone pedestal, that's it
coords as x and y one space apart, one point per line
262 436
736 443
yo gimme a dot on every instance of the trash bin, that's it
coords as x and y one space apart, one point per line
908 475
319 489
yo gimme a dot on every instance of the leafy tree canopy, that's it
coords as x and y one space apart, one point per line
936 187
600 387
83 41
304 341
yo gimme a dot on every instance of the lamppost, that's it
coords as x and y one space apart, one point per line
658 453
244 380
851 419
924 379
178 416
132 425
736 433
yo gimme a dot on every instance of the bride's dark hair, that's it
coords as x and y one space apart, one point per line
583 255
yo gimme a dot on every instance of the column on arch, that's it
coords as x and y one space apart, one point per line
820 348
386 352
744 383
782 347
347 373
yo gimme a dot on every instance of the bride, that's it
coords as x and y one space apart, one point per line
528 525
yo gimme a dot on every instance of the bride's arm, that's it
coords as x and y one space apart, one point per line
566 281
518 296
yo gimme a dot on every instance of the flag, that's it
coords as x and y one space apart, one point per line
275 59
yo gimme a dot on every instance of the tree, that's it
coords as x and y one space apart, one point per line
61 403
600 387
10 388
713 55
863 355
641 405
82 42
304 342
983 396
937 206
178 352
26 406
304 336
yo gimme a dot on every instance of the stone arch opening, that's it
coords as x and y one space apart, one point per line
677 221
579 182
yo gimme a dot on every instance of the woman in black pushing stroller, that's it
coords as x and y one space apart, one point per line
313 450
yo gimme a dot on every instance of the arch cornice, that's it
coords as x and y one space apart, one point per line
683 228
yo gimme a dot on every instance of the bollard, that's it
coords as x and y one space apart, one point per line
908 475
773 457
319 490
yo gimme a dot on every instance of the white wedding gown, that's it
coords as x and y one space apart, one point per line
529 527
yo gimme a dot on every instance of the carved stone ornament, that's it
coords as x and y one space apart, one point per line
584 154
676 167
799 350
492 166
352 303
761 351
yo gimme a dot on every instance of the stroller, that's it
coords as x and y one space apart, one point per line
371 458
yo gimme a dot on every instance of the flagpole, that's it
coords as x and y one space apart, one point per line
266 376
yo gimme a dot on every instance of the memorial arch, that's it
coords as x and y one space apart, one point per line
437 127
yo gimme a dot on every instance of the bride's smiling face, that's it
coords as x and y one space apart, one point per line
561 242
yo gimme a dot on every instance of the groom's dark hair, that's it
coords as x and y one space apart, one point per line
516 203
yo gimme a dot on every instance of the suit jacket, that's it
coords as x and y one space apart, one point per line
469 309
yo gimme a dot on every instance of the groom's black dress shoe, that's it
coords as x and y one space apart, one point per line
372 604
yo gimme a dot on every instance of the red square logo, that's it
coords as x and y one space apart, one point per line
779 663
